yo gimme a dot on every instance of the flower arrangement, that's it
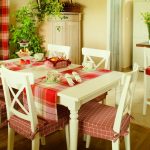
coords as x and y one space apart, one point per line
146 17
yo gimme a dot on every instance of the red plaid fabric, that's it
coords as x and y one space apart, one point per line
2 108
15 66
46 97
3 114
4 31
97 120
23 127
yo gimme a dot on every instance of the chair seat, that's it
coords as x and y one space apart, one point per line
2 108
97 120
147 71
23 127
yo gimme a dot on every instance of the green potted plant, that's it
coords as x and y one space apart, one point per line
25 29
28 20
146 17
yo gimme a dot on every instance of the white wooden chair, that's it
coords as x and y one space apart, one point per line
23 120
146 79
103 61
134 76
91 53
58 50
107 122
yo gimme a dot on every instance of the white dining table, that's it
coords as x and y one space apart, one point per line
74 97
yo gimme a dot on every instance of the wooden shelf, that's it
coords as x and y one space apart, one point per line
144 44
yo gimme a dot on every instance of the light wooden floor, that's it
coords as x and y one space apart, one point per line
140 131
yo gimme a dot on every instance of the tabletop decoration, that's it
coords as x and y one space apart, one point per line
88 66
76 76
56 62
38 56
68 77
53 76
24 52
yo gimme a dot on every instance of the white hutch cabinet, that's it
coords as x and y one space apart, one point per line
64 32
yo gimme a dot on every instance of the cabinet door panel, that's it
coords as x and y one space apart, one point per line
58 35
73 40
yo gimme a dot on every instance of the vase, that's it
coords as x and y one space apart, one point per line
148 27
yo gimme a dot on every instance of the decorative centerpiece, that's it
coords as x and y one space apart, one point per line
56 62
146 17
53 76
88 66
24 52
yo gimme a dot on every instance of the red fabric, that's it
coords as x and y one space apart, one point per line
2 108
23 127
3 113
97 120
147 71
4 31
46 96
15 66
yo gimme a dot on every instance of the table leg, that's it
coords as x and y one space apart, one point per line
73 129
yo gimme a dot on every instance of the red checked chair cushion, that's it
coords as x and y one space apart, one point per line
2 108
97 120
3 114
23 127
147 71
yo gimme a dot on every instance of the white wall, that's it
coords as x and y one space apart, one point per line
94 23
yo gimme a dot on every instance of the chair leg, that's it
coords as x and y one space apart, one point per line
67 136
116 144
43 141
88 140
36 142
145 95
11 135
0 119
127 141
84 137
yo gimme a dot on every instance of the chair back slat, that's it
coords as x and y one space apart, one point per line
14 84
58 50
120 110
126 96
91 53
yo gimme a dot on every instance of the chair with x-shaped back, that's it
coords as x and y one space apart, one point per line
103 56
58 50
24 120
110 122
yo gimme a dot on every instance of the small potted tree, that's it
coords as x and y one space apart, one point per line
28 20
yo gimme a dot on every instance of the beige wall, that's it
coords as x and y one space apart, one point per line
14 5
94 23
127 34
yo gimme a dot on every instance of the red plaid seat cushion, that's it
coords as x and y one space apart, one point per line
2 108
97 120
23 127
147 71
